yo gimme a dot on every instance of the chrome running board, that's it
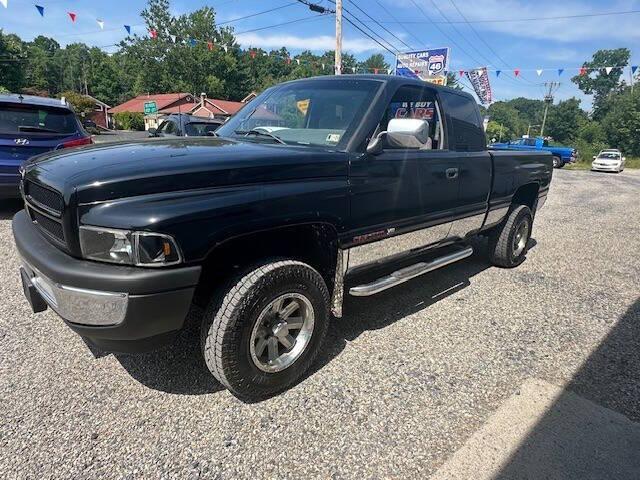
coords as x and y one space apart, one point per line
407 273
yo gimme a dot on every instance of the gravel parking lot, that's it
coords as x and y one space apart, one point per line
406 378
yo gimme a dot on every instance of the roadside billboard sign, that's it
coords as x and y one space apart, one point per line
429 65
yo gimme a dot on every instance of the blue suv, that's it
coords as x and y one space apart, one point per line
30 126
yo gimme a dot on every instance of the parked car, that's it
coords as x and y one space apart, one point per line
561 155
608 161
184 125
30 126
372 181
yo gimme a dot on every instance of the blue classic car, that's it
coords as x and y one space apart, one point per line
30 126
561 155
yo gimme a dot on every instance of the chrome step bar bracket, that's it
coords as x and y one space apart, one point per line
407 273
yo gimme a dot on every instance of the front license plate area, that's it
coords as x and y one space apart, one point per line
33 296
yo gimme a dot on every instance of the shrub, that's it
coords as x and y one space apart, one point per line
129 120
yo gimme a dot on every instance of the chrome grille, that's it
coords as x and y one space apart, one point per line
44 198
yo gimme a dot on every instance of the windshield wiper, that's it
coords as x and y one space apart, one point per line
27 128
260 133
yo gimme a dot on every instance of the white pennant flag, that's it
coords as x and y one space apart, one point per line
480 72
226 49
173 38
389 71
101 23
608 70
4 3
539 71
323 66
298 61
354 69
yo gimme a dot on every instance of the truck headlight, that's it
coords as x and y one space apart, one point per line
145 249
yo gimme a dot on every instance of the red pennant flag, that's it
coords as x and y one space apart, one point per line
583 70
72 16
153 33
288 60
252 53
516 72
461 72
375 71
210 45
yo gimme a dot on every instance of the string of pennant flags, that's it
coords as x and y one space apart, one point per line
253 53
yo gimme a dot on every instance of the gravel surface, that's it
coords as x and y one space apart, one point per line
405 378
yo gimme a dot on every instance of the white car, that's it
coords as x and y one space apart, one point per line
608 161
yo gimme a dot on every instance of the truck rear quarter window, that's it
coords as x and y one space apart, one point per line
466 132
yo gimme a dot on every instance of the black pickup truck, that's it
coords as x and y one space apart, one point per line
365 181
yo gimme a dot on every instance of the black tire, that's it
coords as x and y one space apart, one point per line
502 245
230 318
557 162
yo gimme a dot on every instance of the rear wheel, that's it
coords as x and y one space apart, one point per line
509 242
557 162
262 334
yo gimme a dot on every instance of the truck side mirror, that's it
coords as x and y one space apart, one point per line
402 133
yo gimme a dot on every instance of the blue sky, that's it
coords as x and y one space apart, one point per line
527 45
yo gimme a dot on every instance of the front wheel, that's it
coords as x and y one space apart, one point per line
509 242
263 334
557 162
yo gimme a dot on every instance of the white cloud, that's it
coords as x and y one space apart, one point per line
619 27
315 43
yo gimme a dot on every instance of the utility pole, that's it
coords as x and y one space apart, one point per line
548 100
338 58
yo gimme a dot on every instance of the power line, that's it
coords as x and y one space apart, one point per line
381 26
304 19
402 25
257 13
531 19
365 33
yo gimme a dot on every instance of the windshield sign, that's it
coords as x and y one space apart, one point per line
319 113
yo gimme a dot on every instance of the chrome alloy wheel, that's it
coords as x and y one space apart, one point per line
282 332
520 238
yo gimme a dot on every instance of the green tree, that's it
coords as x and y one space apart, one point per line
375 63
597 82
622 122
12 59
80 103
564 120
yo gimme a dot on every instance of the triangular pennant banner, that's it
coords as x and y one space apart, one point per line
298 61
40 10
192 42
210 45
389 71
498 72
461 73
480 72
516 72
539 71
375 71
608 70
226 48
323 66
72 16
4 3
252 54
583 70
101 24
153 33
173 38
560 71
633 69
128 29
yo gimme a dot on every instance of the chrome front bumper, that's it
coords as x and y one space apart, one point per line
78 305
605 168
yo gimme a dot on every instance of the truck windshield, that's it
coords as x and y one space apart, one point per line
316 112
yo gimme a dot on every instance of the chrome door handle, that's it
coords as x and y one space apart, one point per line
452 173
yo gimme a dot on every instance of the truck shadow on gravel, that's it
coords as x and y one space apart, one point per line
180 369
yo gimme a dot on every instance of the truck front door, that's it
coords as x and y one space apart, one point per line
403 198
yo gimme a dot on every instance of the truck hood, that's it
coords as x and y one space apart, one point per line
117 170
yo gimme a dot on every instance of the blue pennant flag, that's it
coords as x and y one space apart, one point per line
192 41
633 69
128 29
560 70
498 72
40 10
